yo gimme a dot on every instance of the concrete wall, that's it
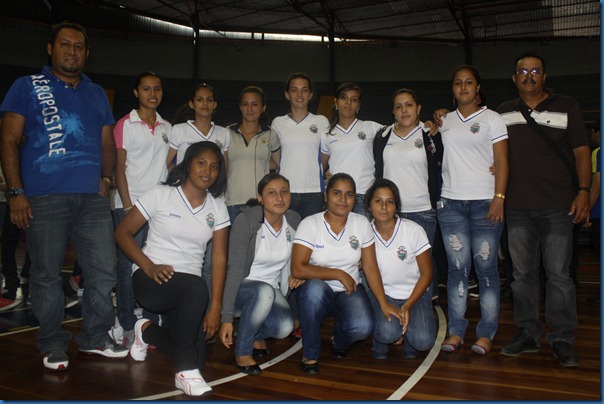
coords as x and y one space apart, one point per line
229 65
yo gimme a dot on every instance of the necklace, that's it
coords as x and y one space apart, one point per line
71 85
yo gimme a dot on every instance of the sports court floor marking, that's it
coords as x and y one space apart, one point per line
295 348
427 363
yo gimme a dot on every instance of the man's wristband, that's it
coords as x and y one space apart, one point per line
586 189
502 196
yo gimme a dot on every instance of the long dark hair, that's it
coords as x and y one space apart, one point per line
384 183
344 87
298 75
179 174
476 74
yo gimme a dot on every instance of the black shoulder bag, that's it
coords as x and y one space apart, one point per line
549 141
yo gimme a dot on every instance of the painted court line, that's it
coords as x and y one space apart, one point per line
427 363
295 348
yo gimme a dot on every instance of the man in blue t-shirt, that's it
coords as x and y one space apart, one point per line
58 156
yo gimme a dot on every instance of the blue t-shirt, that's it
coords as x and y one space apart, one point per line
596 210
62 149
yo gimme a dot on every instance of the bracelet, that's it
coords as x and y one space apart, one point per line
127 209
502 196
586 189
105 178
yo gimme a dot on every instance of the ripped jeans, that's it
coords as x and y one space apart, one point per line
467 235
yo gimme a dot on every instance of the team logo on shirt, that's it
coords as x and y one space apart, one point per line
313 128
164 138
401 252
475 128
419 143
210 220
219 144
354 242
362 135
288 235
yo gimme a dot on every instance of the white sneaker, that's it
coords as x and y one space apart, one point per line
138 350
191 382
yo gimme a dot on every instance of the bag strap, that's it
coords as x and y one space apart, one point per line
550 142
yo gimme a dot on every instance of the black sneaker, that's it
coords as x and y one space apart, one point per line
565 354
109 350
523 342
56 360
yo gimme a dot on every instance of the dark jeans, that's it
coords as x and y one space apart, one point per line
183 299
545 235
85 219
427 220
10 242
353 314
124 291
307 204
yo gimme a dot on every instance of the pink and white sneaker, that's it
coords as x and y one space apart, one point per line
191 382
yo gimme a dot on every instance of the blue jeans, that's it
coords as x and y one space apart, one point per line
307 204
468 236
421 331
427 219
85 219
263 313
359 206
353 314
124 291
234 211
183 300
543 235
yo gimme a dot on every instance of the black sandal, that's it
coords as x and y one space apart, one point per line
309 368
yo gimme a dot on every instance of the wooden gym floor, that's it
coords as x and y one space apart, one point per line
434 375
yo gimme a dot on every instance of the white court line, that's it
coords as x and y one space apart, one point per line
427 363
295 348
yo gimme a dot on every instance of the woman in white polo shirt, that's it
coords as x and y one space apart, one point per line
403 256
300 134
326 253
183 216
142 142
348 145
258 274
470 212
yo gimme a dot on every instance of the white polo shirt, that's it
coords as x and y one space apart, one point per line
468 153
185 134
397 257
147 149
179 234
406 164
337 251
351 151
300 143
273 251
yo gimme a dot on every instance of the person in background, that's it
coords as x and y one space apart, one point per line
203 102
183 216
348 145
258 274
58 181
300 134
403 257
254 150
142 142
406 154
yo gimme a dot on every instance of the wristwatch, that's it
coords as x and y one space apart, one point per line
14 191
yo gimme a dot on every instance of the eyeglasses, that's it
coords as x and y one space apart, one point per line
523 71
